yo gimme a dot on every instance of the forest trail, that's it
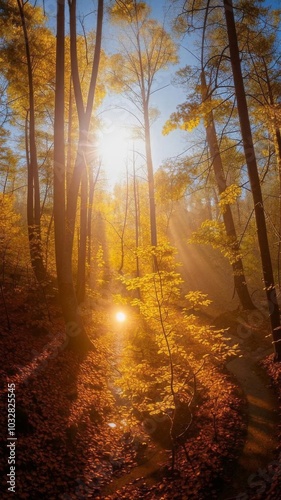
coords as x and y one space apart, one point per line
204 269
262 424
248 473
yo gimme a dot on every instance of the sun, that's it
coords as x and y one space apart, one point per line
114 145
120 317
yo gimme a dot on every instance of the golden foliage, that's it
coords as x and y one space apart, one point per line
197 298
229 196
12 243
190 115
127 11
159 358
212 232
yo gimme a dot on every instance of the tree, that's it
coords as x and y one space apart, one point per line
263 90
20 22
188 117
163 359
33 190
237 264
84 143
8 162
65 207
146 49
251 161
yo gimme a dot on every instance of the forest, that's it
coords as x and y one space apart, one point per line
140 249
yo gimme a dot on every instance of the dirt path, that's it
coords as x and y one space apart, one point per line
260 442
148 471
263 420
204 269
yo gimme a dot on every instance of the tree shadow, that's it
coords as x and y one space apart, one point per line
61 406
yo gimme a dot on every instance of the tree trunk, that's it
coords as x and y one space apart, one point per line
33 190
150 176
254 178
277 146
122 239
82 252
148 153
80 169
136 203
76 335
59 151
92 186
240 283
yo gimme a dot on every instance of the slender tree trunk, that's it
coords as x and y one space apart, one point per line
84 116
69 136
150 175
240 283
136 202
89 219
33 189
124 223
59 141
277 143
277 146
254 178
49 231
148 152
82 253
92 186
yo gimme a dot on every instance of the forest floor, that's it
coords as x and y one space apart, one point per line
73 439
257 471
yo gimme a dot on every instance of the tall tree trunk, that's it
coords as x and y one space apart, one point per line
84 117
277 146
33 189
59 141
240 283
148 152
122 242
76 335
150 175
136 202
81 270
92 186
69 135
251 161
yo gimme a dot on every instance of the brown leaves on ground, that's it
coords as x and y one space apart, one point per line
271 481
66 448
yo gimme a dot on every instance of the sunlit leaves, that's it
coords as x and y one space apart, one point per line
8 162
173 179
156 359
145 49
212 232
42 48
180 24
197 298
229 196
128 11
11 239
190 114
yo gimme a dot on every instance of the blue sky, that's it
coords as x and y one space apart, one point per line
165 100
